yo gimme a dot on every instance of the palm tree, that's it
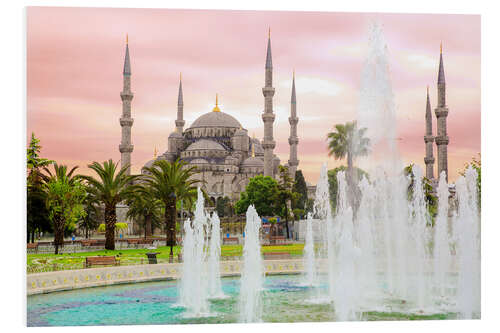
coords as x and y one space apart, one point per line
348 140
144 206
91 219
170 182
64 197
112 186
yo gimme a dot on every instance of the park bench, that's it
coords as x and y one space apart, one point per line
32 246
276 255
277 240
101 261
230 240
93 242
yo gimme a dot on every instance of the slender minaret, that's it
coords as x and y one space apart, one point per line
268 116
293 140
441 111
126 120
179 123
429 141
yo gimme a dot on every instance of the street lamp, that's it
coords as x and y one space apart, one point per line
172 226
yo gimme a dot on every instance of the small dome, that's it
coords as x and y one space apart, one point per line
253 162
240 132
149 164
216 119
175 134
204 144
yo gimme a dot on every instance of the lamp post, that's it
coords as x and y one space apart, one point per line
171 236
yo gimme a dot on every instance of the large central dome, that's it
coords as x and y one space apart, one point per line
216 119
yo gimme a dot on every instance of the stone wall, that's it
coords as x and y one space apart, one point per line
40 283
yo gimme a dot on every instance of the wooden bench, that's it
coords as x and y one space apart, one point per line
32 246
101 261
276 255
93 242
278 240
230 240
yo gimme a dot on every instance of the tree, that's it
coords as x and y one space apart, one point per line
430 198
64 197
262 192
111 187
476 164
91 219
223 206
300 187
285 195
170 182
348 140
333 185
145 209
37 213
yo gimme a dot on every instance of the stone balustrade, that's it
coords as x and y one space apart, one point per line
40 283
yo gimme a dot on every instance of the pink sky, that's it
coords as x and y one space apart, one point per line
75 62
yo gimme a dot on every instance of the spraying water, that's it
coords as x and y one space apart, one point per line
252 274
345 287
468 246
214 283
442 255
194 288
309 255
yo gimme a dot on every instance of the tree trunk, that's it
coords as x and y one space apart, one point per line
148 231
58 232
349 168
170 214
33 235
110 223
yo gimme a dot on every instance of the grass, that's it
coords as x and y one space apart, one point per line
41 262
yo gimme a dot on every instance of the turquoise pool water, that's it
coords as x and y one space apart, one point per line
284 300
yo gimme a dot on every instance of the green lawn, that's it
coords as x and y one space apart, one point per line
41 262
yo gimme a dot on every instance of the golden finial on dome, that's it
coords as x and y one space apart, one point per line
216 108
156 152
441 48
269 33
427 89
127 39
180 76
253 150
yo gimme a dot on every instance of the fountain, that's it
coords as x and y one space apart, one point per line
468 233
442 254
252 274
309 255
345 285
194 289
214 283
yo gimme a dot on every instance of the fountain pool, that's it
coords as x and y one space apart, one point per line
284 299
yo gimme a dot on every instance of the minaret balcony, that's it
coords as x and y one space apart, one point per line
268 144
442 140
293 120
126 148
428 138
441 111
268 117
293 141
293 163
268 91
126 95
429 160
126 122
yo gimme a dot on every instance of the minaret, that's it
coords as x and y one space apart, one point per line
268 116
179 123
126 121
293 140
429 140
441 111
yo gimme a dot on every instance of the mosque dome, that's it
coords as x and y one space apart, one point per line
175 134
253 162
216 119
205 145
